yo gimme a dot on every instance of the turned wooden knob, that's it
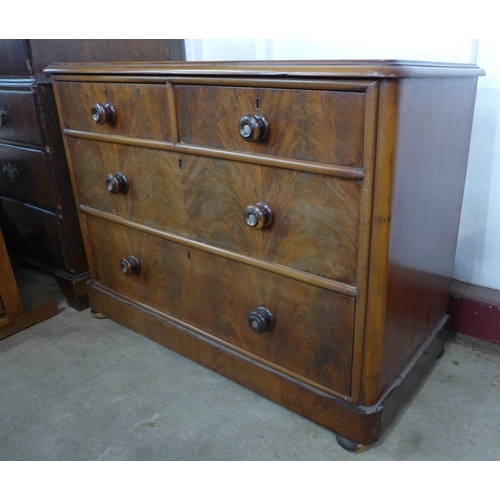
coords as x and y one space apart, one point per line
130 265
254 128
103 113
259 215
117 183
3 117
261 320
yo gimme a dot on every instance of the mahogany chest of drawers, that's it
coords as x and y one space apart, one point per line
291 225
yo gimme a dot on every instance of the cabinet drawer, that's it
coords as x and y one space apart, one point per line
315 219
32 232
19 117
312 334
141 110
23 176
313 125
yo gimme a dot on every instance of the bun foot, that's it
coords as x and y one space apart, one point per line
350 446
98 315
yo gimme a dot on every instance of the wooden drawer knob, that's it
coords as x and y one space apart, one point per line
103 113
261 320
3 117
254 128
130 265
117 183
258 216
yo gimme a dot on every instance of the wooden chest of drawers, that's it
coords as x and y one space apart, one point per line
290 225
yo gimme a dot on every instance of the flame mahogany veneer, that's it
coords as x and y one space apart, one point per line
290 225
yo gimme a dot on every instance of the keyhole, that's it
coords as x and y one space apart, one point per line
106 94
257 104
189 255
180 163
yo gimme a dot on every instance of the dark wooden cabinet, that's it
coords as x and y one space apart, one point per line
37 208
290 225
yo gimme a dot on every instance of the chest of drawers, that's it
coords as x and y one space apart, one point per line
290 225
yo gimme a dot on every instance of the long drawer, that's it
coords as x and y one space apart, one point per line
315 219
313 327
19 117
298 126
24 176
140 110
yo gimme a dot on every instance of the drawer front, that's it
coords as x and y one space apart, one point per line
19 117
32 232
313 125
312 334
14 59
315 218
141 110
23 176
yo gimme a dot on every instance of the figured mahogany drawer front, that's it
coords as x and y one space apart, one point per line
32 232
315 219
313 125
312 333
23 176
19 118
138 110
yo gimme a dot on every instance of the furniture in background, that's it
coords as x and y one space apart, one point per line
37 208
291 225
13 317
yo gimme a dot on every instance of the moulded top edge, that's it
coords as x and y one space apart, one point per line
338 68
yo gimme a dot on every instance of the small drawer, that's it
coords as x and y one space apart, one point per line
308 333
314 220
23 175
135 110
32 232
19 118
310 125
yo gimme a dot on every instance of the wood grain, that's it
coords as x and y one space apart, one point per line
141 110
323 126
32 232
316 218
313 332
418 198
403 132
332 69
22 119
23 175
14 58
46 51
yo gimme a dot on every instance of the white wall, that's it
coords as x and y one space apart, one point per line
478 252
429 49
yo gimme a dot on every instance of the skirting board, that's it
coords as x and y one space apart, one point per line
475 311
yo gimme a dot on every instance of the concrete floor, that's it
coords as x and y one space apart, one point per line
77 388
